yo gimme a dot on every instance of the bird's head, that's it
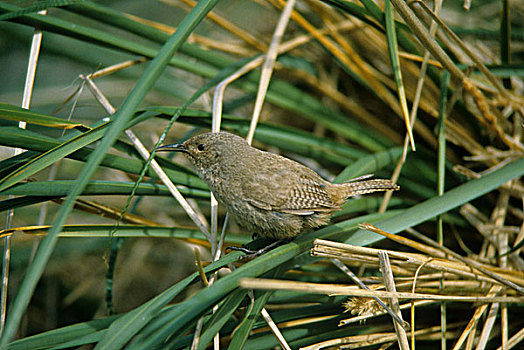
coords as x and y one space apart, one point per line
207 150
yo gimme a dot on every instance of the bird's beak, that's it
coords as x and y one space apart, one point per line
177 147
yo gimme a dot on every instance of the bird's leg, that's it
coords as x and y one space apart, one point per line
254 253
244 248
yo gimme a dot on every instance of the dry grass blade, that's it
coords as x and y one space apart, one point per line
499 216
488 326
267 68
227 25
360 341
413 304
389 282
474 264
406 262
336 289
106 211
474 320
354 278
26 102
515 340
113 69
275 330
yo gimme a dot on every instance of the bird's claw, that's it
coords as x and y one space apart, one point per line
251 254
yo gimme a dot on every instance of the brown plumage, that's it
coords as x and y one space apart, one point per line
268 194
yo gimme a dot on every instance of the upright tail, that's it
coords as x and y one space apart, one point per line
350 189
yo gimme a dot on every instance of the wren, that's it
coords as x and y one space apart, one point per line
265 193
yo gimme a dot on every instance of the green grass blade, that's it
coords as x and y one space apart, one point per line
105 231
391 35
219 318
376 12
61 335
239 337
10 112
60 188
505 38
369 204
21 202
41 5
16 137
83 340
143 313
52 156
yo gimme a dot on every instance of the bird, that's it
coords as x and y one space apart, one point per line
267 194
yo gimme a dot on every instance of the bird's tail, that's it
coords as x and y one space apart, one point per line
350 189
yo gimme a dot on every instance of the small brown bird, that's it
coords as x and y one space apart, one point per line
267 194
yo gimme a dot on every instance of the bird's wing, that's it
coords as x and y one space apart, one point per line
306 197
292 190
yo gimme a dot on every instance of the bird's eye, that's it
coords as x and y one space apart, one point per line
201 147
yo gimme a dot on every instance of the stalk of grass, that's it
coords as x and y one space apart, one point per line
391 34
505 39
441 183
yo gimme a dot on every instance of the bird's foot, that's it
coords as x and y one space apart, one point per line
251 254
